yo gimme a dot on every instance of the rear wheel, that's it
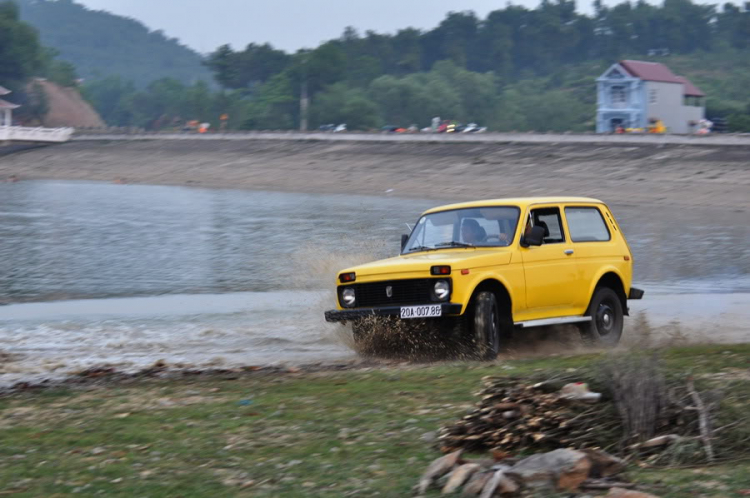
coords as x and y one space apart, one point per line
486 326
607 318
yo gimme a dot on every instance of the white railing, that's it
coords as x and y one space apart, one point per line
23 134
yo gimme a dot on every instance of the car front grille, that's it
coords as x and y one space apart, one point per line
404 292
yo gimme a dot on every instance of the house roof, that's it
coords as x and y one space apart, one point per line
691 89
4 91
655 71
650 71
8 105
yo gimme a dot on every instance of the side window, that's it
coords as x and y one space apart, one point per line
549 218
586 225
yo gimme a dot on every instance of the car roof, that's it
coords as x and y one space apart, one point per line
521 202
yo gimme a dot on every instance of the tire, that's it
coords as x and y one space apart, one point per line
607 318
485 330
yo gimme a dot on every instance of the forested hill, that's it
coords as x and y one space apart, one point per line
101 44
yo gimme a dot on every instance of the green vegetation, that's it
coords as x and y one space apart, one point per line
517 69
298 434
100 44
21 56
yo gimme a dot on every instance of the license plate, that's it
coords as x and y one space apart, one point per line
421 311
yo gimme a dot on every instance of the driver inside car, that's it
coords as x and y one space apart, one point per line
472 232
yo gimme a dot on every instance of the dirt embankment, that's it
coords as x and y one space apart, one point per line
684 175
67 108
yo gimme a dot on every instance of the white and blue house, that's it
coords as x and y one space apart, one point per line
632 94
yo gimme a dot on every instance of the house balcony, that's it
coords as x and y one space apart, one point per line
617 108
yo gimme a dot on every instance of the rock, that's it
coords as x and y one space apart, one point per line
476 483
627 493
558 469
438 468
579 391
499 484
459 476
429 437
603 464
506 406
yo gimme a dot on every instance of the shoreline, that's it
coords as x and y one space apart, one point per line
663 178
627 174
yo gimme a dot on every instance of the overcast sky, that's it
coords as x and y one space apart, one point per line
292 24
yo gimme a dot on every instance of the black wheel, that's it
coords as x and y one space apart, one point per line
486 326
605 327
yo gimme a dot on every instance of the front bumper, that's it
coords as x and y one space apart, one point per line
635 293
353 314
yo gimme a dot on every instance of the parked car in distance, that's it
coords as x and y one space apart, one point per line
482 269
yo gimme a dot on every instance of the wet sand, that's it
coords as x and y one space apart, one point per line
620 173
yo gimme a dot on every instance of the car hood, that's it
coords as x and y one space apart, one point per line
458 259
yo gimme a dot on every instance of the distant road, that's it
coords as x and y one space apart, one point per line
519 138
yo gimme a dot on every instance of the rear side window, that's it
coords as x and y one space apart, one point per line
586 225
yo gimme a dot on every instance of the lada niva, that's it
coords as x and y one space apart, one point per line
493 266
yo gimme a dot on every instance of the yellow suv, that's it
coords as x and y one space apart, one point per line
495 265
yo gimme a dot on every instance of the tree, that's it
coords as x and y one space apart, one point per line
63 73
21 54
225 65
111 98
340 104
37 104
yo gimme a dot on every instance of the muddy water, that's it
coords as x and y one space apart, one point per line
123 274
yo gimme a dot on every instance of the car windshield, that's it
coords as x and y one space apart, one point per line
472 227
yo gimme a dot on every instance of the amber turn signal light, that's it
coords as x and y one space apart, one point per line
347 277
440 270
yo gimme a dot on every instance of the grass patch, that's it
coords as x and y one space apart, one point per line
309 434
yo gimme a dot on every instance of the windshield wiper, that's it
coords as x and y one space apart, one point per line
421 248
453 243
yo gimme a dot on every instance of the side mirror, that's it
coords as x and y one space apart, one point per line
534 238
404 240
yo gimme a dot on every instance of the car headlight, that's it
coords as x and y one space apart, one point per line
441 290
348 298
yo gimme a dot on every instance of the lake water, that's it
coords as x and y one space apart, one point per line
97 273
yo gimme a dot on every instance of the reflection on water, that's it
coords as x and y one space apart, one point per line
227 277
84 240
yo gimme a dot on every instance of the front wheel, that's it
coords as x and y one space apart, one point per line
607 318
486 326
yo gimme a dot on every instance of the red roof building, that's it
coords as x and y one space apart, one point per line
632 94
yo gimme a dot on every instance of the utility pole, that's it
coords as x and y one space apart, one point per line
304 104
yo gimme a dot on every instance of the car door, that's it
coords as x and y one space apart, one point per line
594 247
550 269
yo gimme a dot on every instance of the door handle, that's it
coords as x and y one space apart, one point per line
568 251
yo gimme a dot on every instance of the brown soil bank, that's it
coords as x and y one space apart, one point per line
656 174
67 107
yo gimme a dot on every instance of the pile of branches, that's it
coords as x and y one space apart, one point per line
514 416
640 415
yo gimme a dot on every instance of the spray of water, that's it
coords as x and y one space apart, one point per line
316 267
